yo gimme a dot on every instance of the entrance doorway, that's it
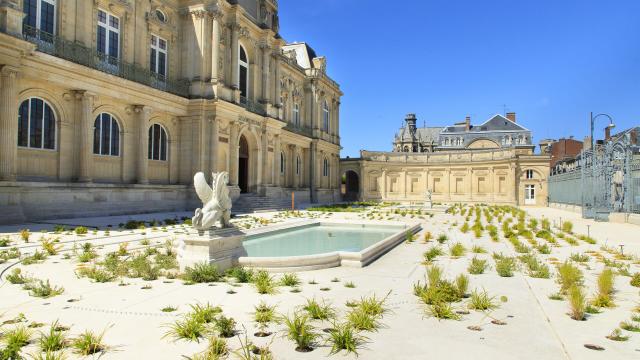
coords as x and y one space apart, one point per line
243 165
350 188
529 194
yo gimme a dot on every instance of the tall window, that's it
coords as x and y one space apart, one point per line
243 64
296 114
41 15
325 167
157 143
158 56
36 125
108 35
282 164
325 116
106 136
297 165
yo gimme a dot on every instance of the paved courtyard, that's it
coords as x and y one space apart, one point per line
526 325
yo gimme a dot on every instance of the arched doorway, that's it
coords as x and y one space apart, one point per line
243 165
350 188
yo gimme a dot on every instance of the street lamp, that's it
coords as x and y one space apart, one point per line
593 120
593 157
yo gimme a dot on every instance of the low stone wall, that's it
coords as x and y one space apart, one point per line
33 201
567 207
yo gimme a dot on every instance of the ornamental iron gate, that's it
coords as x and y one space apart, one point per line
608 180
605 181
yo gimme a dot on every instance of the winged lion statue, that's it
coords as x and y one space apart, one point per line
216 203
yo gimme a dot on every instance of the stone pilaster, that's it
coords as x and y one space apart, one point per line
84 110
142 120
296 177
11 16
215 145
278 90
235 52
313 170
266 55
8 123
233 153
264 150
276 163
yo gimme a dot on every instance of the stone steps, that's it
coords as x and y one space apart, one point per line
250 203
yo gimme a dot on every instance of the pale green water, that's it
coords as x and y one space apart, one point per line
318 239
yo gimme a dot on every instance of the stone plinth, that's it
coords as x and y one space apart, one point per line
221 247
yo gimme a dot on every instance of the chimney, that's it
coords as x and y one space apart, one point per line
607 133
587 143
467 123
511 116
411 119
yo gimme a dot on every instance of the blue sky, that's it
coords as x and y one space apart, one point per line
550 61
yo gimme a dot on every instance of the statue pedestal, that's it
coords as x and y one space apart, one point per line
428 205
221 247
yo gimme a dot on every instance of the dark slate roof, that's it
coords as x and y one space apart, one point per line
496 123
425 134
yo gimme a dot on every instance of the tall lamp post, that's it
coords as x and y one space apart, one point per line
593 156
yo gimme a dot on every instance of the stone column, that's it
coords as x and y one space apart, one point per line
233 152
215 138
266 55
84 108
264 149
142 120
235 52
276 162
8 123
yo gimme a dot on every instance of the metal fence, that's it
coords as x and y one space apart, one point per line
604 181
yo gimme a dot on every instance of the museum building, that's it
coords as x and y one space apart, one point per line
111 107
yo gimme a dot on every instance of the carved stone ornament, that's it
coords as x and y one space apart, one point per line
216 203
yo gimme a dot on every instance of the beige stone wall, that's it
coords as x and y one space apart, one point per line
203 130
479 176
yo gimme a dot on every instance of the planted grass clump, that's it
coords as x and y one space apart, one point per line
577 302
14 340
263 316
457 250
343 337
225 326
89 343
432 253
54 340
43 289
438 293
265 283
535 268
481 301
300 331
290 279
319 311
202 273
241 274
477 266
568 276
505 266
603 297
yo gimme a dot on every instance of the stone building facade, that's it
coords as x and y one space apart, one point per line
111 106
497 132
491 163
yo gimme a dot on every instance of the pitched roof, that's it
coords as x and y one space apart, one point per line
304 53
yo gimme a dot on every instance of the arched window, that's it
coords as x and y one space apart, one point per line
297 165
296 114
36 125
40 15
243 72
161 15
325 116
325 167
157 143
106 136
282 164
